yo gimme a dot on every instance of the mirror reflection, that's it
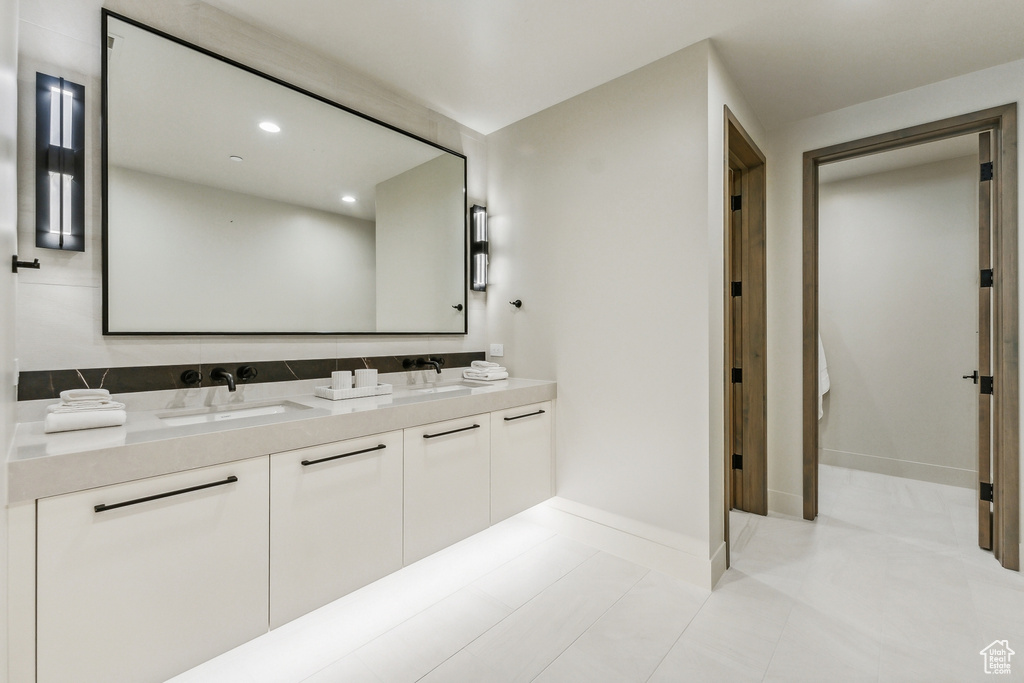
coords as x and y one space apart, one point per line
238 204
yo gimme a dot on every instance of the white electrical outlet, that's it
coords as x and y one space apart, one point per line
497 350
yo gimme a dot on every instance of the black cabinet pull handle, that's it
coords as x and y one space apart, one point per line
307 463
520 417
453 431
100 508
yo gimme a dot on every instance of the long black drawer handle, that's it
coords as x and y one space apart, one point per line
520 417
454 431
306 463
230 480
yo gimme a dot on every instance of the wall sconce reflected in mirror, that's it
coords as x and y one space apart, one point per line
478 248
60 164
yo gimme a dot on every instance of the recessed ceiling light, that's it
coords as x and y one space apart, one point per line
270 127
235 157
348 198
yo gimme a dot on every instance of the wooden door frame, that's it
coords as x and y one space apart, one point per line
741 150
1002 122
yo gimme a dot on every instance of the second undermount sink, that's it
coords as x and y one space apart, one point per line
179 418
442 389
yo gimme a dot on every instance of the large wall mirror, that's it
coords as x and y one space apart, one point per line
238 204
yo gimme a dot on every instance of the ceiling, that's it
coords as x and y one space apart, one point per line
489 63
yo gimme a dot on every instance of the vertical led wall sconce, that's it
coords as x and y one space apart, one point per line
60 164
478 248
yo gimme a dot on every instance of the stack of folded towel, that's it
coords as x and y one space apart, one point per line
486 371
84 409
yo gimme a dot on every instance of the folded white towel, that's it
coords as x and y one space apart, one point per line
484 364
66 422
485 376
84 406
72 395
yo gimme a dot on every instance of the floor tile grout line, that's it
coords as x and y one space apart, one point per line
675 642
597 619
509 615
436 602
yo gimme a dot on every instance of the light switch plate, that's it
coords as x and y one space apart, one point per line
497 350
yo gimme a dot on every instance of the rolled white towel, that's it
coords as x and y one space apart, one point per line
66 422
84 406
72 395
484 364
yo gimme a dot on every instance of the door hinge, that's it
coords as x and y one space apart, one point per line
986 491
737 461
987 277
987 171
737 202
737 289
737 375
987 385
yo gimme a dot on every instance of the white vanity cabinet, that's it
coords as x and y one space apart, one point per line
143 580
447 483
520 459
335 521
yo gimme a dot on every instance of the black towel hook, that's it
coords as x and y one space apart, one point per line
517 303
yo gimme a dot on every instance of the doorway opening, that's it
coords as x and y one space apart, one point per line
997 412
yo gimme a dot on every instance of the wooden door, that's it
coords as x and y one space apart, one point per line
746 337
985 342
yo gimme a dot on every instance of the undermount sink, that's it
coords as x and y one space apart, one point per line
222 413
442 389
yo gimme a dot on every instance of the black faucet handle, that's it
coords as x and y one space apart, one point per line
191 378
246 373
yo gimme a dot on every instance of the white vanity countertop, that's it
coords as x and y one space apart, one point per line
42 465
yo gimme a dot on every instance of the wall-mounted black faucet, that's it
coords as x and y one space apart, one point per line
436 363
221 375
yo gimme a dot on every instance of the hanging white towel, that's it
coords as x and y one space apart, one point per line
823 381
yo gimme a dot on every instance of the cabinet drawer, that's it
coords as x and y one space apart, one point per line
336 521
447 474
144 580
520 459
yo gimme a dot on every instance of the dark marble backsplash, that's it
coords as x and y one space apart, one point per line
45 384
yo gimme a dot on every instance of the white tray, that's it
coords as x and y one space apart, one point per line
361 392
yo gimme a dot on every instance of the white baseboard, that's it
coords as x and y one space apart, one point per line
783 503
643 544
922 471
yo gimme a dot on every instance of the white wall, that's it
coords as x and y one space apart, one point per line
600 223
59 306
988 88
898 311
722 92
8 236
232 260
411 241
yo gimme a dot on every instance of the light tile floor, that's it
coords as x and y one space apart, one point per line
887 585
